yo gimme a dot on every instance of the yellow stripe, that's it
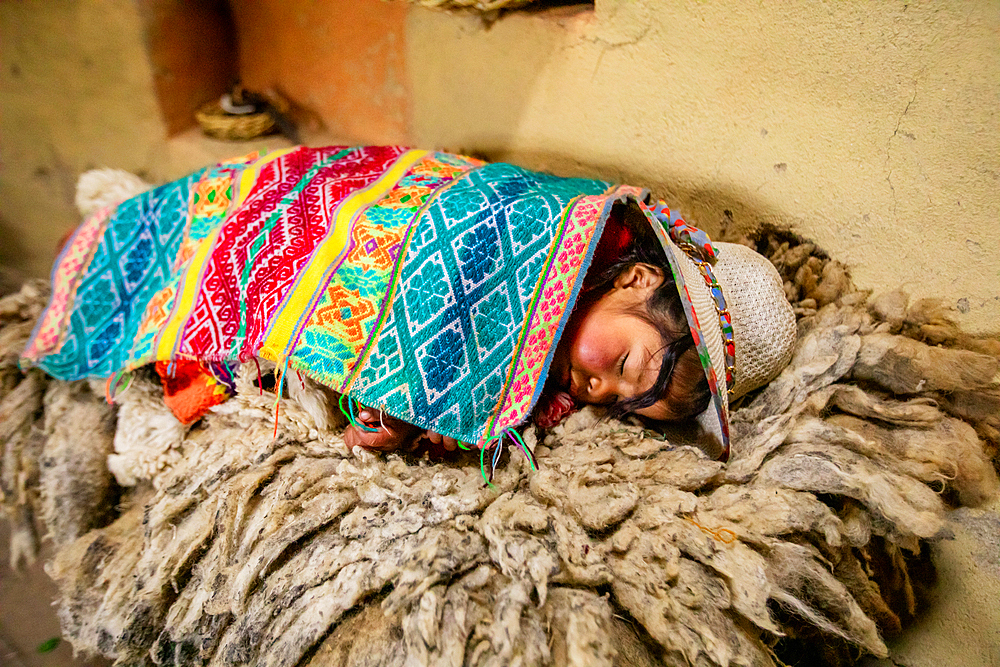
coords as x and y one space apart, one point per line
184 300
250 174
285 324
187 291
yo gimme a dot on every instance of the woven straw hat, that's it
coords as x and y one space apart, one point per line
763 324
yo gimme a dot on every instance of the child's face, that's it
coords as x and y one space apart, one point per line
609 353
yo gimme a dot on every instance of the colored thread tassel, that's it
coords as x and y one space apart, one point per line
524 448
496 459
111 387
349 413
482 467
260 380
513 435
279 383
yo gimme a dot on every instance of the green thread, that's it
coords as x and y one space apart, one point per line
524 448
482 467
349 413
514 435
346 412
363 426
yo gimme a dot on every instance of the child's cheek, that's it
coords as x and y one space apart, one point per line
592 350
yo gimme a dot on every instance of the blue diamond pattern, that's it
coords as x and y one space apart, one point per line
132 262
487 237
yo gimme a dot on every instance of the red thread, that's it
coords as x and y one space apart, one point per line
260 380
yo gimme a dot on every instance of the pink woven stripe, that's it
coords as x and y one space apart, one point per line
65 281
553 301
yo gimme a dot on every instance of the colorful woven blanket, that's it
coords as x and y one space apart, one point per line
428 285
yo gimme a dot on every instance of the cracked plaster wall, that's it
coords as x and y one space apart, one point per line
872 128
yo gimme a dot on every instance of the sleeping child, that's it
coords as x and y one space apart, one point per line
441 297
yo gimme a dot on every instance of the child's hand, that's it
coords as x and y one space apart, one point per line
450 444
390 434
387 433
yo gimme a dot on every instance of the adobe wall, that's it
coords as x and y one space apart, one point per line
872 129
76 93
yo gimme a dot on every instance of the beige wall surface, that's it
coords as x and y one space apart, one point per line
79 90
871 128
75 92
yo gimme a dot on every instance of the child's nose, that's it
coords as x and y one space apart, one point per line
600 388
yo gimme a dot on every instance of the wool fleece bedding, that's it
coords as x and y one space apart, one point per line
239 540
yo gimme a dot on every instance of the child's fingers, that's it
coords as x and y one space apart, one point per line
449 443
388 434
383 441
377 419
380 432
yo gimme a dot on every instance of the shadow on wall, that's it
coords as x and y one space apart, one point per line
457 110
713 210
192 51
452 72
10 251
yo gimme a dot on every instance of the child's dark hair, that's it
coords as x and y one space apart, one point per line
681 378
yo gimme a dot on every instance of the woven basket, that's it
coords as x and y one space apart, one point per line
215 122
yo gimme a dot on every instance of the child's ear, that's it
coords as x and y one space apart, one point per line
640 276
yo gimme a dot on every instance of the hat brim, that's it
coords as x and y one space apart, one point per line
703 321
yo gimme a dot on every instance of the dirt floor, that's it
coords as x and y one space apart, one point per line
28 623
